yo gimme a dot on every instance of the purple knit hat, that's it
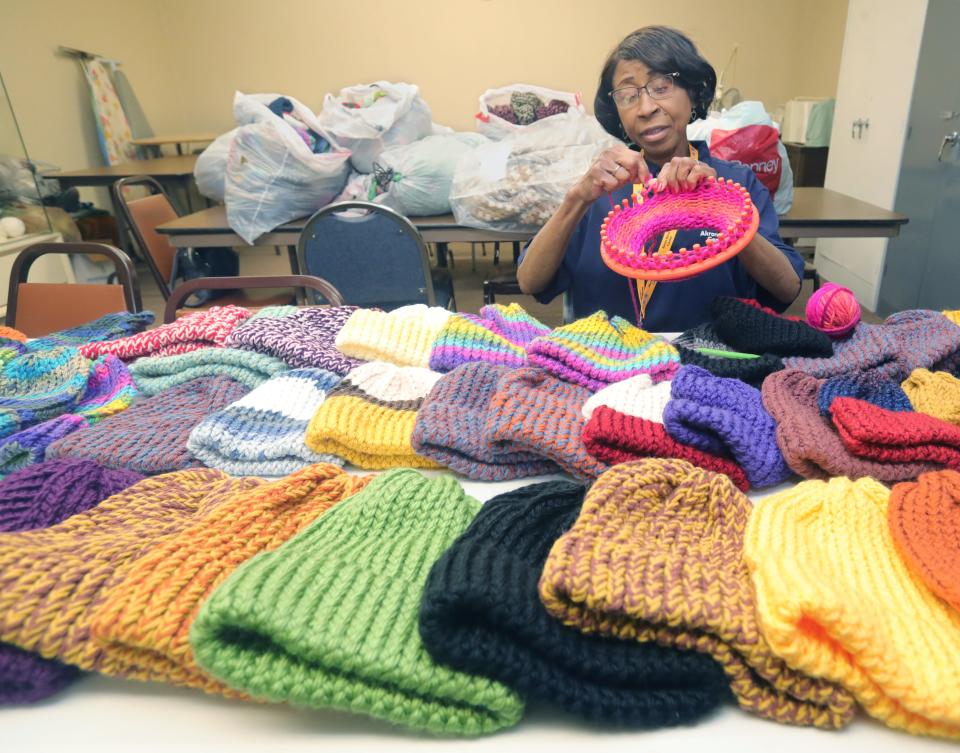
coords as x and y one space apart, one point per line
499 335
30 445
725 417
450 428
303 339
871 386
37 497
810 444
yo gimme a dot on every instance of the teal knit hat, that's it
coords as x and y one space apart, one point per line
330 618
158 373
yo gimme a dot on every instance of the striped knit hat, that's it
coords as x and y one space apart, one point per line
905 341
451 428
143 622
107 327
499 335
597 351
625 422
935 393
85 555
368 418
38 386
262 433
303 338
38 497
751 329
481 614
403 336
681 529
201 329
158 373
329 619
871 386
532 411
151 436
725 417
834 599
810 443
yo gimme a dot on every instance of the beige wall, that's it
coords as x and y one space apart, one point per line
186 57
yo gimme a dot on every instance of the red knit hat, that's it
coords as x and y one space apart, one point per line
925 524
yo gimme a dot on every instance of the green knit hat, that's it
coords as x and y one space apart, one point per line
330 618
158 373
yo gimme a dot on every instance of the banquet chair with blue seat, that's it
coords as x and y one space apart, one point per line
374 256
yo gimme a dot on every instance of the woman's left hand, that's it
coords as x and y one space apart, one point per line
682 173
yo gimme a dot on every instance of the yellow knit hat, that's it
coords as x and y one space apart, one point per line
953 316
403 337
835 600
936 393
368 418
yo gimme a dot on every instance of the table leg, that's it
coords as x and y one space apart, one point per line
516 253
441 254
294 262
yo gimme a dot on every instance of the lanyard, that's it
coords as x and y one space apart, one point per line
644 288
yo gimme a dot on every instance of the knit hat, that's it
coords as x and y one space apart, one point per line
158 373
201 329
749 369
53 579
625 422
451 423
935 393
368 418
597 351
38 386
151 436
834 599
9 333
499 335
38 497
329 619
810 443
30 445
532 411
750 329
872 432
725 417
680 528
953 315
403 336
143 623
703 336
262 433
302 339
870 386
481 614
107 327
905 341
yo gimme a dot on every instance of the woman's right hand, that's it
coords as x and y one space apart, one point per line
613 169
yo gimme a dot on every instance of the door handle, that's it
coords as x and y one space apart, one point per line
950 138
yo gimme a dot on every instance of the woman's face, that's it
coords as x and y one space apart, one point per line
658 126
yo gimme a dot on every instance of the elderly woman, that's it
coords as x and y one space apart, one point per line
652 85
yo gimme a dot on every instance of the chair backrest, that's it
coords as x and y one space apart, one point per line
38 309
143 215
180 293
374 257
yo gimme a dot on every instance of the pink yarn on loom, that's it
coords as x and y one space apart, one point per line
834 310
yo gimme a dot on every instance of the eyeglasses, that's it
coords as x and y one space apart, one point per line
660 86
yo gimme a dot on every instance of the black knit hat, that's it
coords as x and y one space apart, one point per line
481 614
752 330
750 370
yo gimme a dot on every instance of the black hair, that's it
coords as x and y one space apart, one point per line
663 50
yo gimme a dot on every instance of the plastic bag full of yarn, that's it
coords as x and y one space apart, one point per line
629 233
834 310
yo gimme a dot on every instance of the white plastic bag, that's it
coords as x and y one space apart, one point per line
368 118
518 183
272 176
495 127
745 133
210 170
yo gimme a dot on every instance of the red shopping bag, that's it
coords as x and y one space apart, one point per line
754 146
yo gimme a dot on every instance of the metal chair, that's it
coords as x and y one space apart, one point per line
375 257
39 308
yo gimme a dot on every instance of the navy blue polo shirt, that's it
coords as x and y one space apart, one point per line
674 306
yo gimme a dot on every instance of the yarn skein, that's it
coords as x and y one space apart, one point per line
834 310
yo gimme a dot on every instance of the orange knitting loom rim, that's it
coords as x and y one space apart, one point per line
692 270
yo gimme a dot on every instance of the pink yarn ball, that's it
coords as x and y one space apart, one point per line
834 310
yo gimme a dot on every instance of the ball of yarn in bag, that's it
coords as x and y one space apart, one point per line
555 107
524 105
834 310
503 111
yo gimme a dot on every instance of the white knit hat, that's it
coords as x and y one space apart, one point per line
637 396
403 337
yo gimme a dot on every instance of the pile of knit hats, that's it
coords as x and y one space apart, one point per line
499 335
403 337
251 369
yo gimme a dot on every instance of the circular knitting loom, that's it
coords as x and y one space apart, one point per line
628 233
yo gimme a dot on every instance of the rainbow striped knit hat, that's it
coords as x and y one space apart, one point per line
597 351
499 335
